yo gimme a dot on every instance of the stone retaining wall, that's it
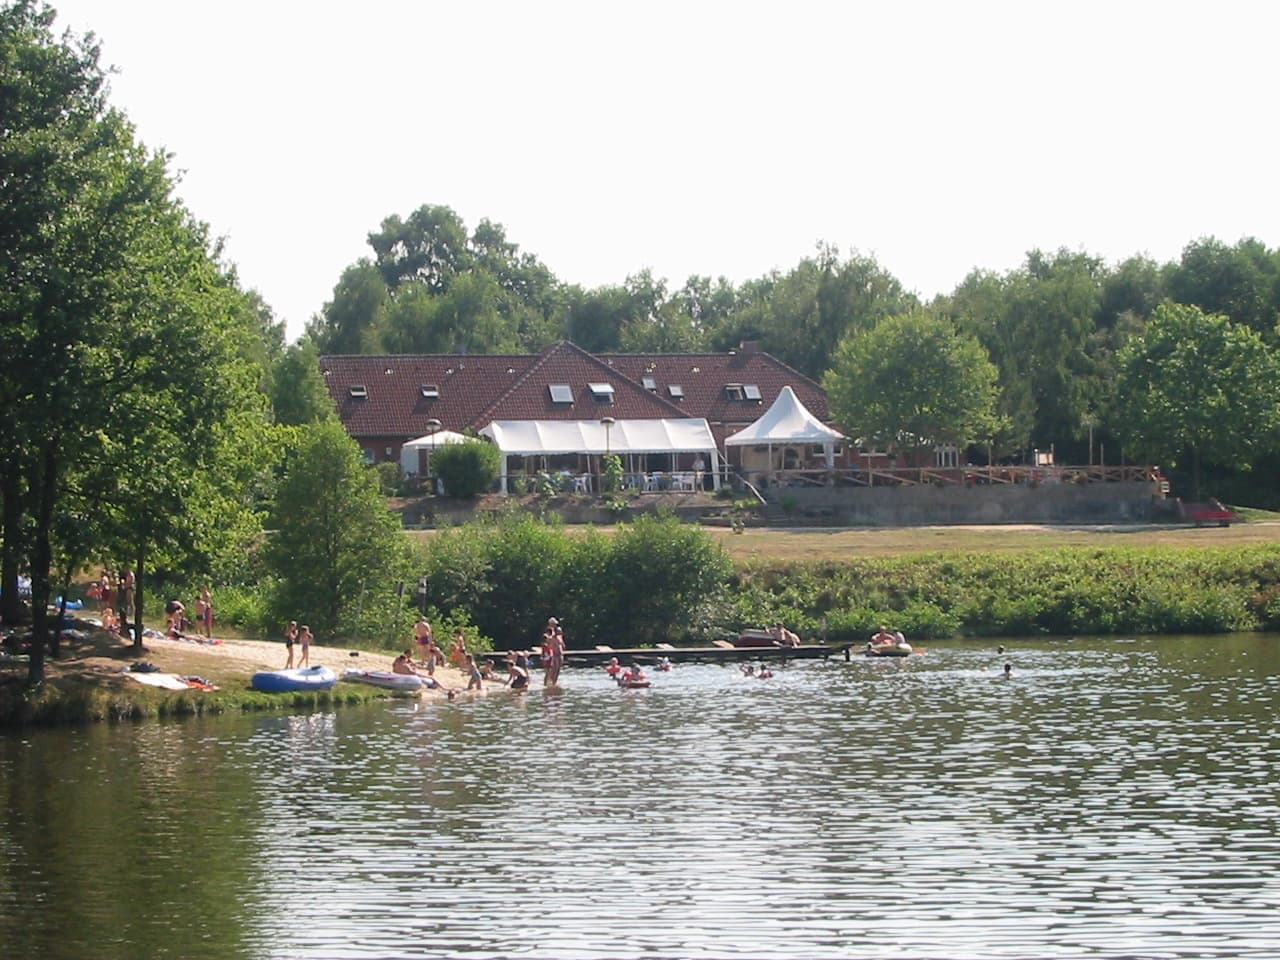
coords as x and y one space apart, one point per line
981 504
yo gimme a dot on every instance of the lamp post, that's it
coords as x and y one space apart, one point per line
607 423
433 425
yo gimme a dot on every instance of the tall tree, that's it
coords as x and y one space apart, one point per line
912 381
1241 282
337 552
807 311
349 322
298 391
110 300
1197 385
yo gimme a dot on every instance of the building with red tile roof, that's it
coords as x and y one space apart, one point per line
385 401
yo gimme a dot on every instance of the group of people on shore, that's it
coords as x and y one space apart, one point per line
116 593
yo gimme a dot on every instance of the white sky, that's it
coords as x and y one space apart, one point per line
720 138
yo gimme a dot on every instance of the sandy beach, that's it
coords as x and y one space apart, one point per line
227 662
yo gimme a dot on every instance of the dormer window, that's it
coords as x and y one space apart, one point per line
676 391
602 392
751 391
431 391
560 392
649 383
359 391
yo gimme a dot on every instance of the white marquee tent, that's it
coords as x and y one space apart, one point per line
531 438
788 421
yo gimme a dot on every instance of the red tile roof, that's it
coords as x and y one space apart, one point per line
476 389
704 377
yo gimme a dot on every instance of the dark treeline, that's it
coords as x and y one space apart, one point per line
1055 327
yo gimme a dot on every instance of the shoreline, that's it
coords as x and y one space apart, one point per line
91 682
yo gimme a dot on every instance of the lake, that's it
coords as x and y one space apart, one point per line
1114 797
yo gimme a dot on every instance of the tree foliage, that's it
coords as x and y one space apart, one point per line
467 469
128 352
912 380
1197 383
336 550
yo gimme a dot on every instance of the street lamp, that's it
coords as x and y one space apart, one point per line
433 425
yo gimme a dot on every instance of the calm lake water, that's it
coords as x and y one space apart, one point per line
1114 798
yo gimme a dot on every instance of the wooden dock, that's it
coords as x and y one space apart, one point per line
718 653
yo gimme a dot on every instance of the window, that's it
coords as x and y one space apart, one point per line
602 392
359 391
676 391
431 390
751 391
819 451
560 392
649 383
733 391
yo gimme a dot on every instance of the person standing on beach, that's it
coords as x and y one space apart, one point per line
205 609
424 638
305 638
290 638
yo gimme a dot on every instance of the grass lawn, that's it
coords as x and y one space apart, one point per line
829 543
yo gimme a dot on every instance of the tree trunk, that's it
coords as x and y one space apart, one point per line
1195 473
11 608
138 578
42 559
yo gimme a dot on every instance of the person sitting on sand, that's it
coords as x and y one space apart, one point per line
110 622
404 664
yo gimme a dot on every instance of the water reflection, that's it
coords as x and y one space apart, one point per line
1111 797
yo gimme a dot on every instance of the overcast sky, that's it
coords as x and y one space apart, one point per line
719 138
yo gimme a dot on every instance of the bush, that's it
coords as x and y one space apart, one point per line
389 478
467 469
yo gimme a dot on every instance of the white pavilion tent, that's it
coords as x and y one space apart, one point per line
787 422
534 438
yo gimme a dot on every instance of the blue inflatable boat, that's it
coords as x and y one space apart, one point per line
291 681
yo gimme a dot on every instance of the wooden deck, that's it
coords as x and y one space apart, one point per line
713 654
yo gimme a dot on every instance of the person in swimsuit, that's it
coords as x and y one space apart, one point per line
424 637
477 678
305 638
290 638
552 652
517 674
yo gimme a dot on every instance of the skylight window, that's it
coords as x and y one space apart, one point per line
751 391
733 391
359 391
676 391
431 390
603 392
560 392
649 383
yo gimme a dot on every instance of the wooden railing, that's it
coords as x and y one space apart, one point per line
967 476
